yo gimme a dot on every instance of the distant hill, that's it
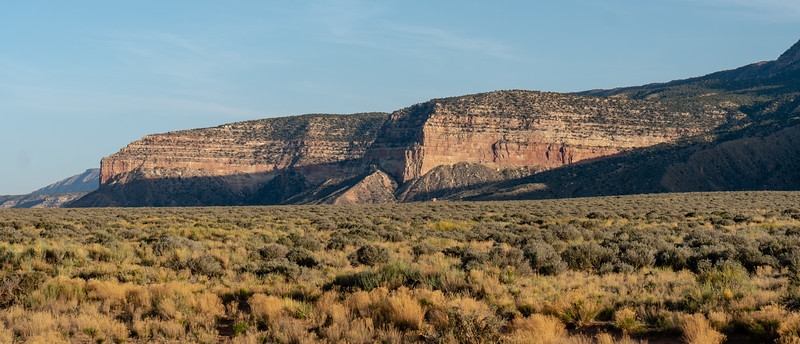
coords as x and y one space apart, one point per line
729 130
54 200
57 194
86 181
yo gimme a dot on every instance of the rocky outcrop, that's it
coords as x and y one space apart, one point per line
758 157
379 158
312 143
444 180
525 129
496 145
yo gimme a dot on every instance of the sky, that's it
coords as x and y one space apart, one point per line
79 80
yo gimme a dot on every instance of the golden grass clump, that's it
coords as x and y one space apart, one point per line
31 323
537 328
61 294
697 330
288 330
138 301
789 331
6 335
330 311
48 337
336 325
471 307
402 310
625 320
718 320
97 327
362 303
173 300
111 293
155 330
266 309
605 338
206 308
576 307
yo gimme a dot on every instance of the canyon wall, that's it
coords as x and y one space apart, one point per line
380 158
261 147
515 129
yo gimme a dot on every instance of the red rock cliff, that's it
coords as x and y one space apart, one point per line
513 129
252 147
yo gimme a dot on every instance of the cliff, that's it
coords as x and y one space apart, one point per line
731 130
308 142
764 156
515 129
379 158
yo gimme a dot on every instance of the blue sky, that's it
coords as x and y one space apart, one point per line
79 80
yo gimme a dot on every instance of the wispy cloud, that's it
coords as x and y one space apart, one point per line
363 24
772 10
93 103
188 59
436 38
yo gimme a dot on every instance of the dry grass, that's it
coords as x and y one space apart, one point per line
538 328
789 330
458 273
266 309
402 310
625 320
697 330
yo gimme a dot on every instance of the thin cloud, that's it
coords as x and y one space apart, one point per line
434 37
362 24
192 59
781 10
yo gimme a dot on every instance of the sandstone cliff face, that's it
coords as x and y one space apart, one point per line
249 148
379 158
497 145
516 129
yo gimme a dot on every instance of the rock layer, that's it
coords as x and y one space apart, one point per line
514 129
259 147
380 158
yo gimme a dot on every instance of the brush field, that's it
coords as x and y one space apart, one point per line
692 268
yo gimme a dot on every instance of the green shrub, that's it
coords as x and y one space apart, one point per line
280 266
371 255
170 243
544 259
302 257
273 251
424 248
512 257
205 265
586 256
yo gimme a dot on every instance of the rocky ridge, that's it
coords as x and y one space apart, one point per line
57 194
379 158
87 181
525 129
685 135
307 142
